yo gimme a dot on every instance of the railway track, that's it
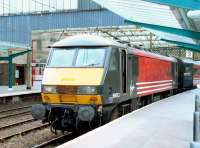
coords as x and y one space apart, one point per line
17 121
56 141
23 132
14 109
14 112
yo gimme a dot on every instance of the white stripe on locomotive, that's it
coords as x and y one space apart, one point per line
141 83
146 91
152 86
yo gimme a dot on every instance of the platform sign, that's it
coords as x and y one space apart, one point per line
189 54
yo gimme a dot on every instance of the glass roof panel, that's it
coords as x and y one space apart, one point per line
149 13
28 6
141 11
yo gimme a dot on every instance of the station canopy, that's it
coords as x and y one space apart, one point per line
167 19
12 49
172 21
8 45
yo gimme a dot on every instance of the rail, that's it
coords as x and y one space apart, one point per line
58 140
2 139
14 109
17 123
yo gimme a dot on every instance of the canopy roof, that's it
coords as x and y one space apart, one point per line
169 22
8 45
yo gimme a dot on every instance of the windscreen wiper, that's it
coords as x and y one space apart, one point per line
93 64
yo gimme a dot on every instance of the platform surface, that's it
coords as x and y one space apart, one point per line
164 124
17 90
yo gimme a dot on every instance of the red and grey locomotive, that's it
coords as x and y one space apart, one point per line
90 80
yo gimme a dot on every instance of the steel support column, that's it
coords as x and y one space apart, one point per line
10 66
10 75
29 70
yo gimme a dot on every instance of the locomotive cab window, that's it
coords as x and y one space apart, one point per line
61 58
90 57
77 57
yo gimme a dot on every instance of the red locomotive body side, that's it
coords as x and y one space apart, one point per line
154 73
196 74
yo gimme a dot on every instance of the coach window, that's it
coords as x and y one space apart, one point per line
188 70
194 71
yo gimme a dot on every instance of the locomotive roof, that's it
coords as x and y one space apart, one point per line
86 40
190 61
151 55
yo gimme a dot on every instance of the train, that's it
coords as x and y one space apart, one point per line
89 81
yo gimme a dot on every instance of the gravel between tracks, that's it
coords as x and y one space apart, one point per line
20 128
15 119
11 106
29 140
5 114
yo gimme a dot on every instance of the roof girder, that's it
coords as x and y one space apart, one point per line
187 4
191 47
6 58
177 31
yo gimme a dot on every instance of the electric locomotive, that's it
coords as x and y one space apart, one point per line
89 81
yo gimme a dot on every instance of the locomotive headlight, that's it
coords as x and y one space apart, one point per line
48 89
87 90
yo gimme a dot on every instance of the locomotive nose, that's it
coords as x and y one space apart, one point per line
38 111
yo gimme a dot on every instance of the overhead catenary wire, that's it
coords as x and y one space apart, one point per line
44 4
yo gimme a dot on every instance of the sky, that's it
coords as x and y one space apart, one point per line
18 6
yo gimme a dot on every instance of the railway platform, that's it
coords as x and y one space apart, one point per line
164 124
16 93
17 90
